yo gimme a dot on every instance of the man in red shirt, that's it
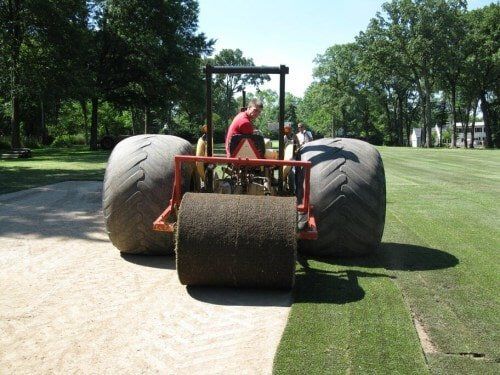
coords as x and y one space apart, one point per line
242 123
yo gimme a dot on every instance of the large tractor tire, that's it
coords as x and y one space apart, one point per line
138 185
348 196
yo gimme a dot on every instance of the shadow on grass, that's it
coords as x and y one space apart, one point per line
314 285
401 257
166 262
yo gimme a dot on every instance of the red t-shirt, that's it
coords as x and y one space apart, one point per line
241 125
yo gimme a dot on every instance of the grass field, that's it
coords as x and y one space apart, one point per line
437 269
51 165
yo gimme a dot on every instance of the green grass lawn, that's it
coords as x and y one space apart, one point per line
438 264
51 165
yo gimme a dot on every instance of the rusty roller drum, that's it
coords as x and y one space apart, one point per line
236 240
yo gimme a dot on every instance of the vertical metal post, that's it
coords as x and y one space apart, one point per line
244 104
210 133
281 132
208 81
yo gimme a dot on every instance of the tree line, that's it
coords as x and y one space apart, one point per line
419 63
66 64
90 68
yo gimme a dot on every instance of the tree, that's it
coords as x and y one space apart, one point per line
38 38
418 30
382 68
159 53
456 48
485 62
228 85
317 111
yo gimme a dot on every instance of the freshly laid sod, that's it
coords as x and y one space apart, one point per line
438 266
51 165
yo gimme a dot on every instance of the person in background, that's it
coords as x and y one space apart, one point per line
303 134
242 123
291 147
201 150
290 138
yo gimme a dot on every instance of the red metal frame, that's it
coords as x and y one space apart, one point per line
161 223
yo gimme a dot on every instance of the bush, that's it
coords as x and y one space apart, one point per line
78 139
62 141
68 140
31 142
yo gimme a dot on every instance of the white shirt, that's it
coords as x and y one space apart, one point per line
304 136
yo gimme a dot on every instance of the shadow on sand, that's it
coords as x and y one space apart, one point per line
166 262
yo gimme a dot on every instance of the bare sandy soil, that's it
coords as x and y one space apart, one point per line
70 303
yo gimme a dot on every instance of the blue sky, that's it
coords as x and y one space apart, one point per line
289 32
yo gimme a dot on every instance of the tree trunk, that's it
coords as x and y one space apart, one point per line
136 120
465 125
473 124
453 117
93 125
485 108
146 119
14 122
45 133
428 114
344 122
389 121
399 122
16 41
423 103
83 104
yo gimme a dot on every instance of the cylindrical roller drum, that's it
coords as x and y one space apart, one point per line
236 240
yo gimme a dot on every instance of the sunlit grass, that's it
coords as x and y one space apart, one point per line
51 165
438 263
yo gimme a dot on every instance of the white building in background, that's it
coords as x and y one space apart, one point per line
416 136
479 134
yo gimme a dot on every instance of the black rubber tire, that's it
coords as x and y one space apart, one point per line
349 197
138 185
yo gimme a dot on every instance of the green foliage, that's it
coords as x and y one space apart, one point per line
140 63
133 55
114 120
68 141
31 142
270 113
382 85
227 85
316 111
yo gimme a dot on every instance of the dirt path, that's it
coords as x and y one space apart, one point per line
70 303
